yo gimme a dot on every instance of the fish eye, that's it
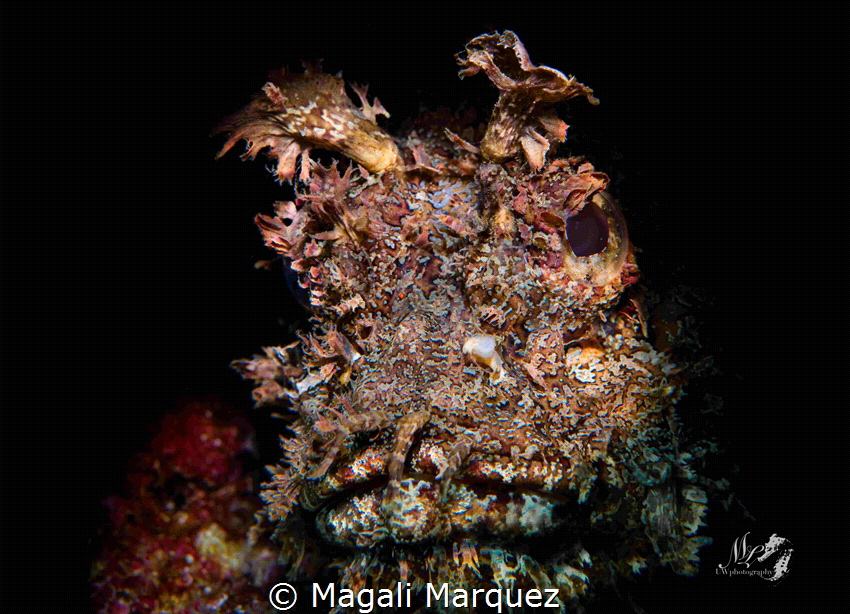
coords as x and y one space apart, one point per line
596 241
587 232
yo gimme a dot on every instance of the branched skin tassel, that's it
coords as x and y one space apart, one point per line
479 379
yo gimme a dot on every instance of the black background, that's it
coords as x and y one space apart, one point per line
156 290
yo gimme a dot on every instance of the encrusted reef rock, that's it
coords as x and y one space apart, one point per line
478 403
185 538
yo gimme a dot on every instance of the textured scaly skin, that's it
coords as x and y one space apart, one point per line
471 384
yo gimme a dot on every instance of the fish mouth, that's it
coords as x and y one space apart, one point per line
427 460
423 509
467 531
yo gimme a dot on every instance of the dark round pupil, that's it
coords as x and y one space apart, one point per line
587 231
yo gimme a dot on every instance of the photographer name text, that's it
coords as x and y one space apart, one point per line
365 600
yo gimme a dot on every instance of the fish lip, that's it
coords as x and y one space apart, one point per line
367 470
424 512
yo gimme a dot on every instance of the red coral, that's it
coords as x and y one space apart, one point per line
183 539
197 445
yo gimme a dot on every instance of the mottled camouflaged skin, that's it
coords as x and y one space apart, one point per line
471 383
